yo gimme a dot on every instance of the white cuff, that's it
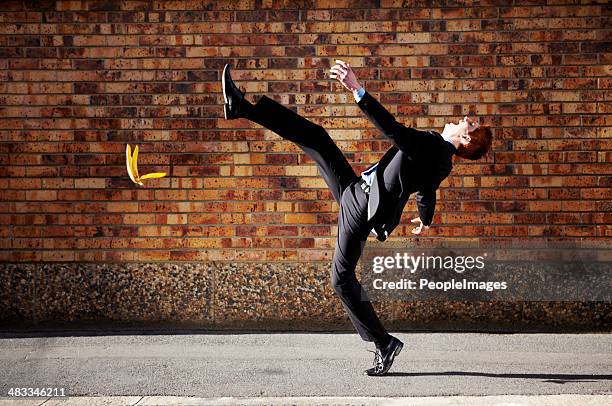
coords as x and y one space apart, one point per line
359 94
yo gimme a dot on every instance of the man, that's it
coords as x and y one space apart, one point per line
372 202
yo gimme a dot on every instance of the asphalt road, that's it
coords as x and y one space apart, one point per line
242 365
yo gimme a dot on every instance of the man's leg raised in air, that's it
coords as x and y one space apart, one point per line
340 177
310 137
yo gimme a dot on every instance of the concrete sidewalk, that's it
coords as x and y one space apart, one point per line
287 367
545 400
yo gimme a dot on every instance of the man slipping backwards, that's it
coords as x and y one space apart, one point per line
372 202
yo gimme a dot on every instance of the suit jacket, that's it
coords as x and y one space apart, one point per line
417 162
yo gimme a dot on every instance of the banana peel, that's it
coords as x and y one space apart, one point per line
131 162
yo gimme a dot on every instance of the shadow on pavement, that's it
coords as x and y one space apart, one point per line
552 378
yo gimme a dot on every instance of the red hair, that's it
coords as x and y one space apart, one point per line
479 145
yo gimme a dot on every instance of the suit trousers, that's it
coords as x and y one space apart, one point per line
353 227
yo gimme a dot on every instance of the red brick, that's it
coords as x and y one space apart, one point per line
82 79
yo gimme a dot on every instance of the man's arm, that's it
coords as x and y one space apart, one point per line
426 205
426 195
407 139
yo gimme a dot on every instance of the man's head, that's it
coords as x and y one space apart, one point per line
471 140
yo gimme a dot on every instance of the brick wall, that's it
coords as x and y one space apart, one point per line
80 79
241 232
246 213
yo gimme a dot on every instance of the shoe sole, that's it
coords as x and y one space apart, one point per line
225 106
399 348
223 82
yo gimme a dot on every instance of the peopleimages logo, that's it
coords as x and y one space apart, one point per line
437 267
412 263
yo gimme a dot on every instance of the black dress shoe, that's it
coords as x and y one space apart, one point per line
235 103
383 358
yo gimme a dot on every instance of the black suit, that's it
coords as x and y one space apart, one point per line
418 161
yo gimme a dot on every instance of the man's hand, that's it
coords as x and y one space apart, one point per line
345 75
420 228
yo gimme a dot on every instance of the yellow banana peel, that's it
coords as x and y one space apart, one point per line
131 162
